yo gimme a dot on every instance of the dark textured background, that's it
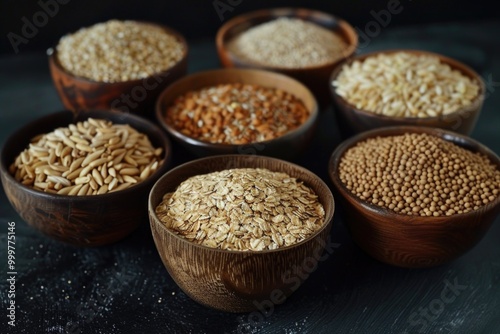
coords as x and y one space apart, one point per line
124 288
197 19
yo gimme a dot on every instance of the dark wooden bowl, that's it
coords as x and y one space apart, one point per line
81 220
288 146
237 281
314 77
353 120
412 241
135 96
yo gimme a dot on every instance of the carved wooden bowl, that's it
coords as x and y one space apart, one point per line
412 241
81 220
135 96
237 281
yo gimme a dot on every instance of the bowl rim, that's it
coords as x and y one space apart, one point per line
453 63
160 114
52 54
401 219
167 154
343 28
328 221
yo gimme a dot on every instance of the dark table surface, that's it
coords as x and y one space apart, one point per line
124 288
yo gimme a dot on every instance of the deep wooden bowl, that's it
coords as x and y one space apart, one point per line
237 281
314 77
412 241
135 96
353 120
288 146
81 220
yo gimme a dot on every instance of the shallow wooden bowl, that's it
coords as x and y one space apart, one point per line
353 120
288 146
81 220
135 96
237 281
411 241
314 77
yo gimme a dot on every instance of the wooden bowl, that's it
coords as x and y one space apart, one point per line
237 281
288 146
353 120
314 77
412 241
81 220
136 96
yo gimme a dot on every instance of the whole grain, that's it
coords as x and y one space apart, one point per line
289 43
87 158
403 84
242 209
419 174
117 51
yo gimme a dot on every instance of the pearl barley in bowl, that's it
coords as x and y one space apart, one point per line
406 87
122 65
84 179
235 230
416 196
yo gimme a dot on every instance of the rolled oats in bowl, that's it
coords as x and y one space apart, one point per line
404 84
242 209
117 51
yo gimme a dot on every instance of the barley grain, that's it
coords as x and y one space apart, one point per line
402 84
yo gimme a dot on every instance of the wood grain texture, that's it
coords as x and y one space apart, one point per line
81 220
413 241
353 120
78 93
314 77
236 281
288 146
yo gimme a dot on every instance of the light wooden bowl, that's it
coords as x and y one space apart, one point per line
412 241
288 146
353 120
81 220
236 281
